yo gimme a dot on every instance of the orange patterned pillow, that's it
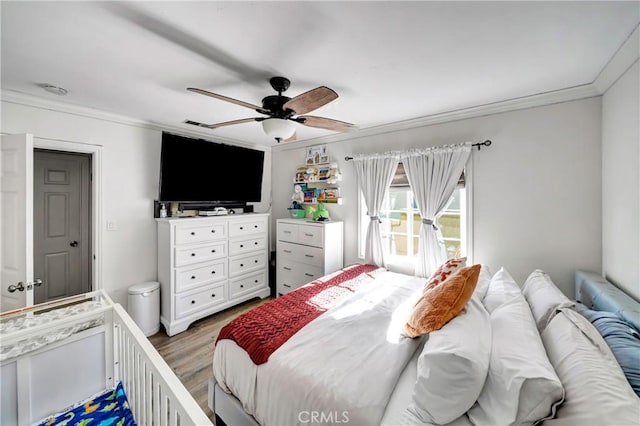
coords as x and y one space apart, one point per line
445 271
443 302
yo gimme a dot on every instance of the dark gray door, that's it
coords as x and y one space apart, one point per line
61 216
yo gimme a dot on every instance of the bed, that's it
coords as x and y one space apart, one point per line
515 354
85 355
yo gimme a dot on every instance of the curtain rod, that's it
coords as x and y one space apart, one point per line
479 145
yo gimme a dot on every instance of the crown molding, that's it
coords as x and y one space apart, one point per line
20 98
547 98
620 62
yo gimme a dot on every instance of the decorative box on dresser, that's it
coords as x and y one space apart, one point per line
306 251
207 264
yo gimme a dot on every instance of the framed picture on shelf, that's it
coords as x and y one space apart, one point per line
324 173
316 154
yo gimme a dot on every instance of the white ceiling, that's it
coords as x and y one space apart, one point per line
389 61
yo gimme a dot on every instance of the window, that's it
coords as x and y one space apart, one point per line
400 227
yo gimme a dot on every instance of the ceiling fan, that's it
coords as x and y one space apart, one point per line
281 111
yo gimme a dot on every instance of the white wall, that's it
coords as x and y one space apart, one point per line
130 175
537 191
621 182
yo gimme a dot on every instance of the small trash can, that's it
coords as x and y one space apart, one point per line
144 306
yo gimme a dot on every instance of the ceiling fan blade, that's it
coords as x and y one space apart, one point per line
226 123
228 99
311 100
326 123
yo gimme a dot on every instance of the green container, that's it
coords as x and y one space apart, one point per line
297 213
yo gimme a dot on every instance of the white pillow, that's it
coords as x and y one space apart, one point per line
522 387
502 287
483 281
596 390
544 297
453 366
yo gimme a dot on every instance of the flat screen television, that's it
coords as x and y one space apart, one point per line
200 171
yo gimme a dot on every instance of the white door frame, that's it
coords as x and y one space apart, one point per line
96 196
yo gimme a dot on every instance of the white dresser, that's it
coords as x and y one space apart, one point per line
207 264
306 251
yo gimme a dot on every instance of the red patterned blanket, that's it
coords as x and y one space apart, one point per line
264 329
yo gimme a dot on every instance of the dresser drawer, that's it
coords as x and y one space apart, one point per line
247 227
197 300
288 232
186 256
239 286
291 276
243 264
245 246
301 253
296 273
201 233
310 235
190 277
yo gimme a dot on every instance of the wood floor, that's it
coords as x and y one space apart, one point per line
190 353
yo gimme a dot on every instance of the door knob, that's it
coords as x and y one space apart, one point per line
20 286
73 244
12 288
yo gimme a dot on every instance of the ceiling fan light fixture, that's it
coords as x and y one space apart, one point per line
278 128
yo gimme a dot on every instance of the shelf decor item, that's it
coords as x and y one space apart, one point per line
321 213
316 154
297 211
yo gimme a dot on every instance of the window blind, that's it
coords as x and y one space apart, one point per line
400 180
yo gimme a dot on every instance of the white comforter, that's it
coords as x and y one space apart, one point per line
342 367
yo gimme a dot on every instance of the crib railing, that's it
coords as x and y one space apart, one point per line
154 392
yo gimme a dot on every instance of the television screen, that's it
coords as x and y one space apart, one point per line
199 170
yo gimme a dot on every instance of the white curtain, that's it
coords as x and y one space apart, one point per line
433 174
375 172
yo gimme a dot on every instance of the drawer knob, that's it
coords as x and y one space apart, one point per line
193 302
193 277
255 261
287 251
241 228
213 251
193 254
242 264
255 243
213 231
193 233
213 272
308 274
241 245
241 285
255 281
308 235
287 232
255 226
286 285
287 268
308 255
213 295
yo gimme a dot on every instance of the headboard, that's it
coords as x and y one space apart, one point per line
598 294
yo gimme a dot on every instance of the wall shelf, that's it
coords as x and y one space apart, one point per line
318 183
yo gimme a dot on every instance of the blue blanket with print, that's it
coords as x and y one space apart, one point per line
109 408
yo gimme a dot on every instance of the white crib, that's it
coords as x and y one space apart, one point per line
57 354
